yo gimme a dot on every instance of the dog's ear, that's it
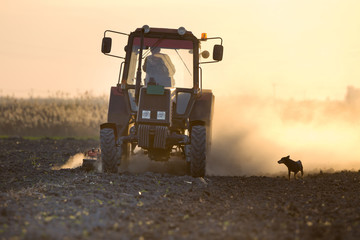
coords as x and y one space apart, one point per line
288 156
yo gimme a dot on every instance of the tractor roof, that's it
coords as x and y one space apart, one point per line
165 30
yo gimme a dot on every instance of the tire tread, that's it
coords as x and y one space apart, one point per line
198 151
108 150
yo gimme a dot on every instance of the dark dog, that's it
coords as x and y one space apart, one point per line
292 166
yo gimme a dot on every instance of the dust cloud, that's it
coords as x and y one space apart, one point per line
73 162
251 134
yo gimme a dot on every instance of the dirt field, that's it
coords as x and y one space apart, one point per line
39 203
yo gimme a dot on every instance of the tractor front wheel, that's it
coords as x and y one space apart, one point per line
198 151
109 151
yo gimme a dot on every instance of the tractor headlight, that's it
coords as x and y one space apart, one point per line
146 114
161 115
181 31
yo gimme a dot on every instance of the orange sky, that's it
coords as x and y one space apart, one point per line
305 48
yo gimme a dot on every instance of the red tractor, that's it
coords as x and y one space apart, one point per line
158 103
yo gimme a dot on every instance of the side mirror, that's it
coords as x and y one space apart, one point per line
218 52
106 45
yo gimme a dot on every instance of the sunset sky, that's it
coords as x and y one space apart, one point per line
301 49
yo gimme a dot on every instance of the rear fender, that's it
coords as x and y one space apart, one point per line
202 111
119 110
202 114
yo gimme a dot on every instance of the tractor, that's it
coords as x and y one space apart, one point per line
158 104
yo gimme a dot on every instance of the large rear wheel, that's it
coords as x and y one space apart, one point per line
198 151
109 151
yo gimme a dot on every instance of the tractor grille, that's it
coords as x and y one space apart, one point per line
160 137
159 133
144 132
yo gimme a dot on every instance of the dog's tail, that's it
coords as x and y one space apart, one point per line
301 168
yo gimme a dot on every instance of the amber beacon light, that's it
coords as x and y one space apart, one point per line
203 36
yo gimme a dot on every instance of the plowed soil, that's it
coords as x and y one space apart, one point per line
37 202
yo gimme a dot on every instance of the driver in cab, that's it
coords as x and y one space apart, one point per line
159 69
